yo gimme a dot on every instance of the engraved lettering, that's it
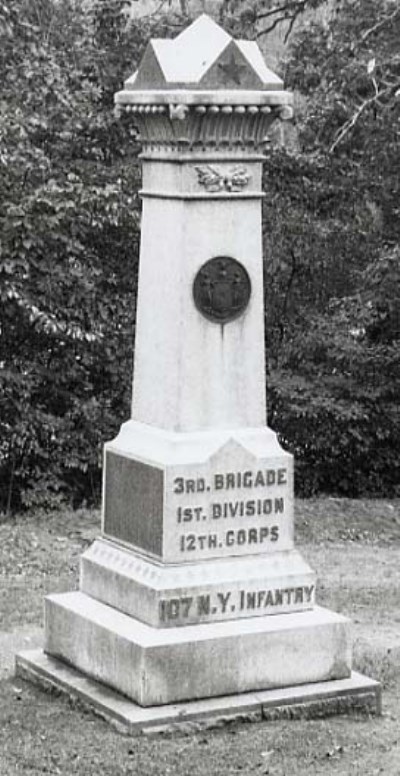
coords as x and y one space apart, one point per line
216 511
230 481
260 598
190 542
289 592
218 481
179 485
173 608
253 537
223 599
247 479
278 597
299 595
274 533
282 477
186 604
309 592
203 604
259 480
250 508
191 485
264 532
162 610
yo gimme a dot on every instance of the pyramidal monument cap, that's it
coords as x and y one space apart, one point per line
203 57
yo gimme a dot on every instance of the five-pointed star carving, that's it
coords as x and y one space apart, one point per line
232 70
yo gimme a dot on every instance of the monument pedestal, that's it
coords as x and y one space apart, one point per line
316 699
156 667
194 593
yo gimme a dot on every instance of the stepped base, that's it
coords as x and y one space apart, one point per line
322 699
224 589
155 666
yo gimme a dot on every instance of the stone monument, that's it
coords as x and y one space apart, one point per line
195 589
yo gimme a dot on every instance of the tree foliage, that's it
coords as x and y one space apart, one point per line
332 233
69 226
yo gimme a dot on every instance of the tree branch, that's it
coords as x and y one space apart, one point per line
287 9
285 12
380 24
351 123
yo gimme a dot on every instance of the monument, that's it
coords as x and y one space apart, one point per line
194 600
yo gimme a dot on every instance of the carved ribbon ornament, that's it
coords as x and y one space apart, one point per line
235 179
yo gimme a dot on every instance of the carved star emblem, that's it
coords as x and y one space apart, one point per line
232 70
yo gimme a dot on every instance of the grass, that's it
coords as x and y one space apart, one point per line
353 545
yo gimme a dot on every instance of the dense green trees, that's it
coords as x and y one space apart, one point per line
332 231
69 226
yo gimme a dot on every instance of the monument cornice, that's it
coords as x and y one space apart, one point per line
189 127
222 98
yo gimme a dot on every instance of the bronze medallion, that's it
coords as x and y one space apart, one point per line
221 289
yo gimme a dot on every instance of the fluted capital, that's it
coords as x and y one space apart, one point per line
179 127
204 91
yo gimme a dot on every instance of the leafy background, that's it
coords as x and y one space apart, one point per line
69 239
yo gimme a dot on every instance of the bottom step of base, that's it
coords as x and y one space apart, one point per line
321 699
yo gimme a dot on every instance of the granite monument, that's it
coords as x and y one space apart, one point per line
195 589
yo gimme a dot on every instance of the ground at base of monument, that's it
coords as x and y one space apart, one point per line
321 699
354 547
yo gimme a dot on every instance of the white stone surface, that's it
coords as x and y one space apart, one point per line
187 58
357 692
226 493
210 591
229 513
221 97
253 54
168 178
190 373
195 481
161 447
158 666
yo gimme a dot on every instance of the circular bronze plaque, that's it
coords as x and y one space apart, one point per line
221 289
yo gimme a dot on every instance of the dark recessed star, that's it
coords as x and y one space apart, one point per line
232 70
